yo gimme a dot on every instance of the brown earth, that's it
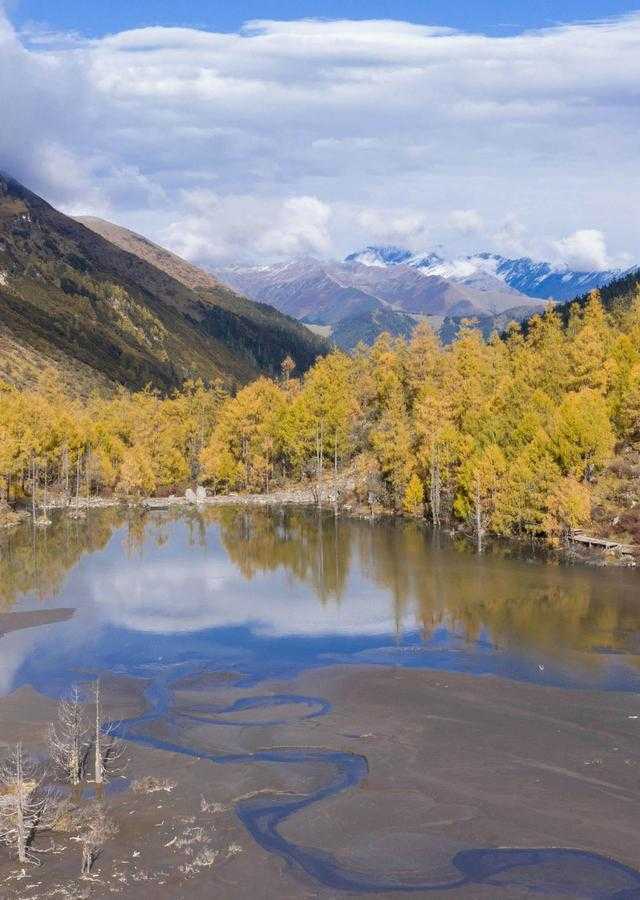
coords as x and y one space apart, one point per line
456 762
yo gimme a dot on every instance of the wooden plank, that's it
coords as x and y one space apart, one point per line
580 538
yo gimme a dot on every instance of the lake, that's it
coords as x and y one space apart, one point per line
271 592
275 598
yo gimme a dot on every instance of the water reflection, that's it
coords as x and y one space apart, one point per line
271 588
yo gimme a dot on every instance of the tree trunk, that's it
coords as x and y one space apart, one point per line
335 471
77 484
478 511
99 767
21 828
33 488
435 493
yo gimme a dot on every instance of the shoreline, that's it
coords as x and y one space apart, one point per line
573 554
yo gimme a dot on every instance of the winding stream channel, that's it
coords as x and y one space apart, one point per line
541 870
267 595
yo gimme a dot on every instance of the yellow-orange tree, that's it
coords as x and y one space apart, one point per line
509 435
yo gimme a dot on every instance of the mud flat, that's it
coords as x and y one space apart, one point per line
16 621
369 780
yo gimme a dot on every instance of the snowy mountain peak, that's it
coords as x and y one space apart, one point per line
425 260
481 271
379 256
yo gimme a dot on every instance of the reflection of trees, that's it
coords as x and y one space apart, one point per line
37 560
537 606
314 547
541 607
551 610
136 533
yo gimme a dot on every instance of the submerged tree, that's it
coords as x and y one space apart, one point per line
108 750
21 804
95 830
68 743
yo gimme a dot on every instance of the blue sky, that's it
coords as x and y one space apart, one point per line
516 130
487 16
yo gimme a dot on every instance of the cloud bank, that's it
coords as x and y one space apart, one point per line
315 137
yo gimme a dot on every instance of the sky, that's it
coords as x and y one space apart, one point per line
266 129
495 17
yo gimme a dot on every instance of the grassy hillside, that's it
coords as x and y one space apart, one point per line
269 328
72 299
191 276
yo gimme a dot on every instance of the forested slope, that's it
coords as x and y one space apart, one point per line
102 316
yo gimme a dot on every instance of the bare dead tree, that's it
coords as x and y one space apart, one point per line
68 744
108 749
95 831
21 803
77 512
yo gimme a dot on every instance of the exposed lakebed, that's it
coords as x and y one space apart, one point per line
230 617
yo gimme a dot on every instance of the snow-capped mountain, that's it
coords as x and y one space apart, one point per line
380 256
373 292
541 280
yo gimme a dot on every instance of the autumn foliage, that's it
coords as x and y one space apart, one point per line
509 435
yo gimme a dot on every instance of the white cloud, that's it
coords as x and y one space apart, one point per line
215 229
466 221
392 226
320 136
511 239
585 250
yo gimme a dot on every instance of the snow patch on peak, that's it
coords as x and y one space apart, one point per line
484 272
460 269
379 257
425 260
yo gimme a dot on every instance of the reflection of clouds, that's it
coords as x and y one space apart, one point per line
165 597
167 594
14 648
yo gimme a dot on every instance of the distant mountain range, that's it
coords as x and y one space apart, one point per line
390 289
112 308
533 279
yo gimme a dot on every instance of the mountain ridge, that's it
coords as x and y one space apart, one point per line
535 279
72 300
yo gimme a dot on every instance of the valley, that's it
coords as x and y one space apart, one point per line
388 289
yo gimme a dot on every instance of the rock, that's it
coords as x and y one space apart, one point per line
201 494
190 496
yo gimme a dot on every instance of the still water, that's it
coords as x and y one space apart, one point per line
272 592
269 593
